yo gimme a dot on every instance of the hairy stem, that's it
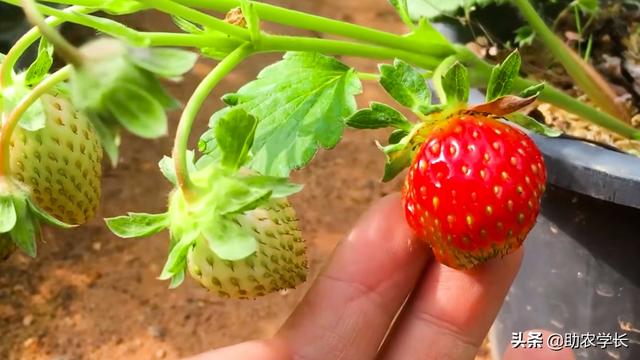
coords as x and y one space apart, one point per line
25 41
582 73
67 51
12 120
191 110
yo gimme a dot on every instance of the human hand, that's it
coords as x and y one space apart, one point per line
351 308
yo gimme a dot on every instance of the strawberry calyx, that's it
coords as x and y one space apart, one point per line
119 86
20 218
220 193
452 85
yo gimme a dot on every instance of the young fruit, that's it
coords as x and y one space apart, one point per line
60 163
278 263
473 190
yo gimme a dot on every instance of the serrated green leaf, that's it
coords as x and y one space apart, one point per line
405 85
402 10
168 169
25 231
44 216
301 103
378 116
137 111
502 76
41 65
532 124
137 224
165 62
8 215
176 261
186 25
229 240
456 84
532 91
235 132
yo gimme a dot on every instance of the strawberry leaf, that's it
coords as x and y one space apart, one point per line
378 116
502 76
40 67
405 85
228 239
8 215
25 230
301 103
431 9
235 132
532 124
137 111
165 62
137 224
455 83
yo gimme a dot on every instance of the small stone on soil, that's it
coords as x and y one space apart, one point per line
27 320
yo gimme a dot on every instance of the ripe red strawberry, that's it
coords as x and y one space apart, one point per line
473 190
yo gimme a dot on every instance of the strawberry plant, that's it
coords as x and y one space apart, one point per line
474 179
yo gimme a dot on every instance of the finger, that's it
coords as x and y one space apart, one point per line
259 349
543 353
451 311
349 308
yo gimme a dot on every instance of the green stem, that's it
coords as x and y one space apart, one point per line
368 76
23 44
584 76
191 110
176 9
12 120
67 51
321 24
270 43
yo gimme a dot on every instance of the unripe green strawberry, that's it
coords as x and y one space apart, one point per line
278 263
60 163
473 190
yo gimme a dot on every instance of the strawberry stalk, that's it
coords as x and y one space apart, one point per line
191 110
12 120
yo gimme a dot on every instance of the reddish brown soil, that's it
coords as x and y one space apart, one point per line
90 295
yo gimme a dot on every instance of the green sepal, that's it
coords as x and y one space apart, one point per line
235 132
502 76
398 158
532 124
39 69
524 36
177 279
280 187
168 169
44 216
31 120
165 62
397 135
228 239
109 135
8 216
456 84
378 116
186 25
406 85
176 261
137 111
26 228
438 75
241 198
137 224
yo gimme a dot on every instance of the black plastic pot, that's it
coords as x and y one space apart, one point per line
581 270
